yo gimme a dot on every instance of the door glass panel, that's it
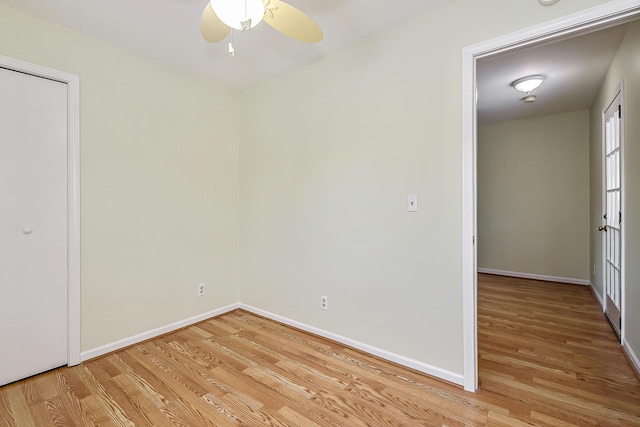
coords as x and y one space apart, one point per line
612 238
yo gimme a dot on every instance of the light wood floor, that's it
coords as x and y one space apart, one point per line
547 358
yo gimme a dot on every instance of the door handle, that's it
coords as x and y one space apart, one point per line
603 228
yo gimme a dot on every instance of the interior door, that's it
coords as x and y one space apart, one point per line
612 227
33 225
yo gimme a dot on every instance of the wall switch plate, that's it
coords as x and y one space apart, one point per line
201 289
324 302
412 203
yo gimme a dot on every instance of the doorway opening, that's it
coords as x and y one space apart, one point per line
588 21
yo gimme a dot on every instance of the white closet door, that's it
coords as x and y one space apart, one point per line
33 225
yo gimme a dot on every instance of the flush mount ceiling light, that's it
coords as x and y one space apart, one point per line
529 83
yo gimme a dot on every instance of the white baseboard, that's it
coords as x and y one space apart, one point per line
632 355
387 355
126 342
595 293
535 276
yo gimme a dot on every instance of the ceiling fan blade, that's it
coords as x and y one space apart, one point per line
212 28
291 22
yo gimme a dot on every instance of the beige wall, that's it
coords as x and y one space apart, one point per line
329 153
159 177
533 196
625 66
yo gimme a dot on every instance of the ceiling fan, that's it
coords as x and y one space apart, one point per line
221 16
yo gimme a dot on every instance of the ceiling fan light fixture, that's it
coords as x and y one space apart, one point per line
239 14
529 83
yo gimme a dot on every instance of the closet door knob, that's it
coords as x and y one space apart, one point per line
27 231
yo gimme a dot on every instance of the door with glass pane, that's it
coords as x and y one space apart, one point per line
612 228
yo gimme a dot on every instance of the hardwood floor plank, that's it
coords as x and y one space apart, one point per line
14 408
220 408
295 418
147 408
138 381
7 417
314 378
403 410
547 357
72 393
147 379
39 388
102 398
198 412
178 374
40 412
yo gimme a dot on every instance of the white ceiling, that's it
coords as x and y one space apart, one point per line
574 70
169 30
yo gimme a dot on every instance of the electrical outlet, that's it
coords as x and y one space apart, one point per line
324 302
201 289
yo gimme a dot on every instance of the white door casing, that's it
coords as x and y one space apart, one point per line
616 11
26 234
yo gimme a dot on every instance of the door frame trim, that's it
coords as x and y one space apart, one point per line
73 194
610 13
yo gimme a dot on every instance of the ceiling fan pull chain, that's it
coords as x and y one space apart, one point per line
232 51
